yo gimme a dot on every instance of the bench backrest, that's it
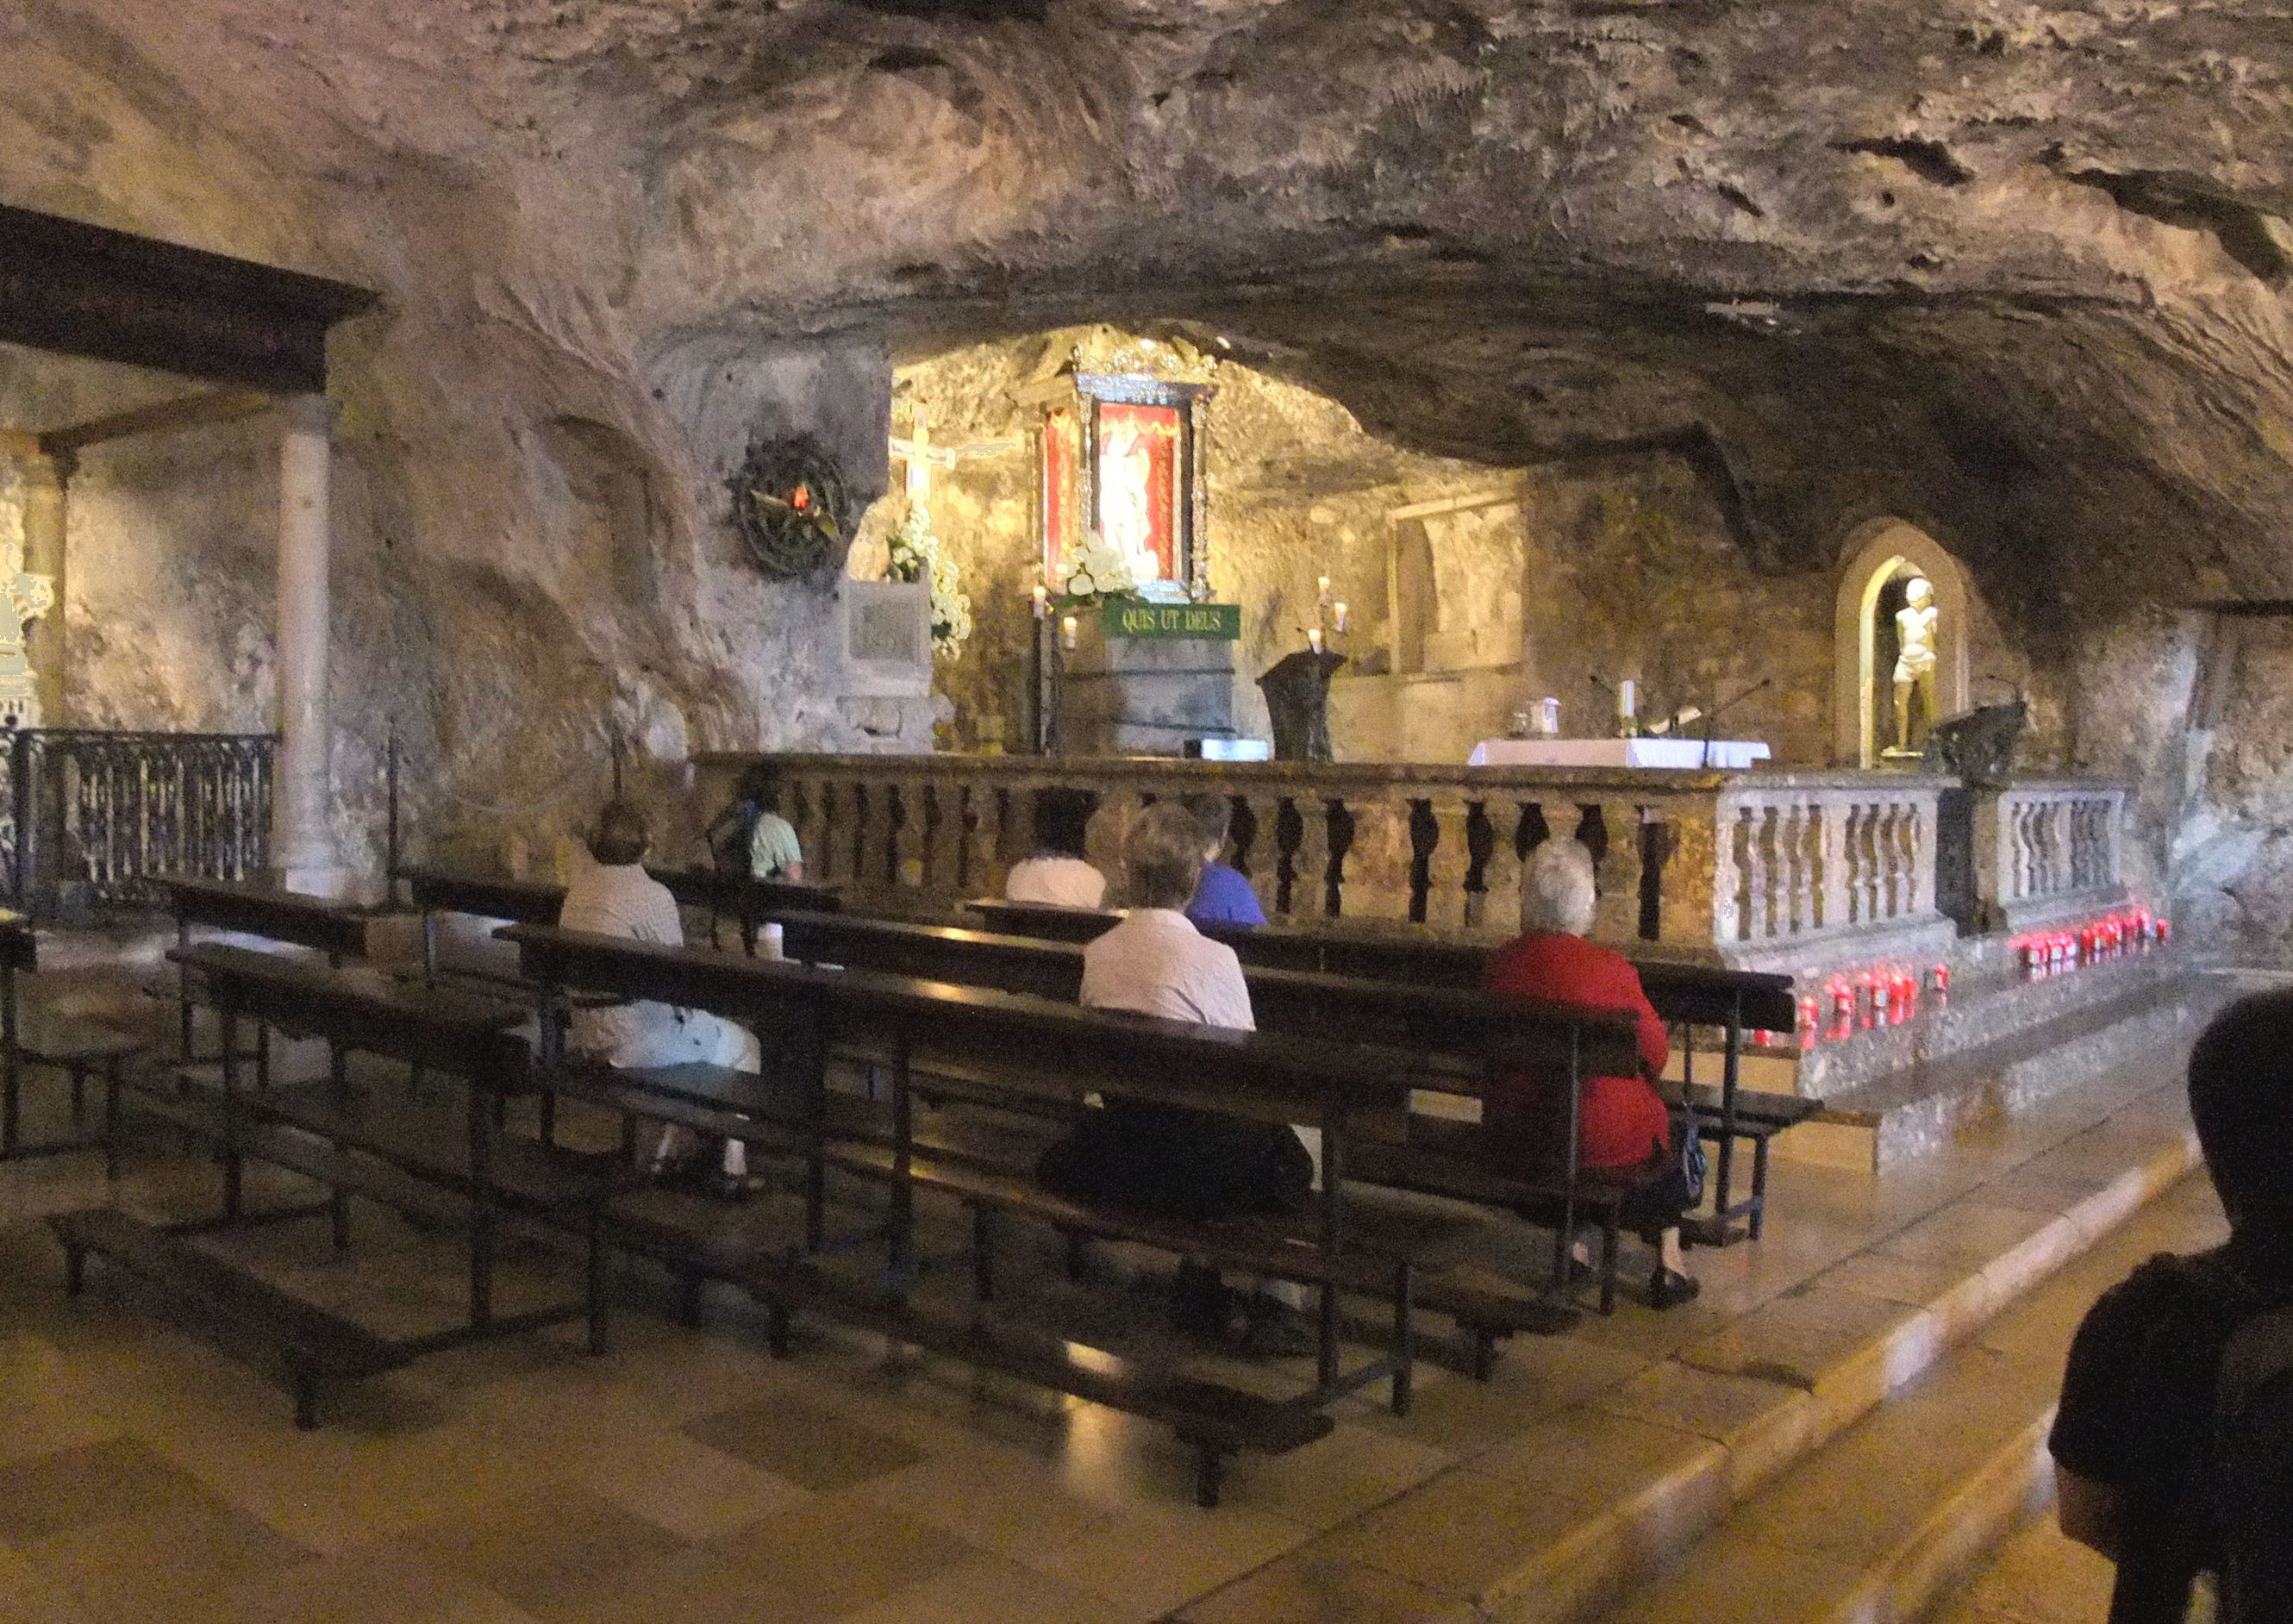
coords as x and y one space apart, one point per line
742 896
440 1031
1459 1024
485 896
1276 1077
275 915
1702 994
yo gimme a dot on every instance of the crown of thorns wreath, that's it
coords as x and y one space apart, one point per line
791 506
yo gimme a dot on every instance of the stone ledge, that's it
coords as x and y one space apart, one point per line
1740 1406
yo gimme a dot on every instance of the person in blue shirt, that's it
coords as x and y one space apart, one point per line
1222 897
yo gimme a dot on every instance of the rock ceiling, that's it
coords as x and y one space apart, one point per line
2016 270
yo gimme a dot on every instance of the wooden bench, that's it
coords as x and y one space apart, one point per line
451 1163
79 1048
1041 1043
436 892
749 901
241 1313
1454 1036
1687 997
336 929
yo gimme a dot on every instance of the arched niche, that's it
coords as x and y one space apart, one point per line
1879 554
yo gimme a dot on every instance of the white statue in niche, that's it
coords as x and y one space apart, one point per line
1915 662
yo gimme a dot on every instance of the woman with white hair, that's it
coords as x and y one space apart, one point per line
1622 1123
1164 1160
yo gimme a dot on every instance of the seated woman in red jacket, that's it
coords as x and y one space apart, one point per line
1623 1124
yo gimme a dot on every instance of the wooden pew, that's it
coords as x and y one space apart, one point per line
749 901
76 1047
1030 1047
337 930
1454 1036
440 1164
1734 1002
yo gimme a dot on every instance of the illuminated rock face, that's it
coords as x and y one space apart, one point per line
2015 273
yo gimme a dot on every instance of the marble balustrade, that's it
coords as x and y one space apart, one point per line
2048 849
1764 869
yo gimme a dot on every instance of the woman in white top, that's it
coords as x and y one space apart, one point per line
1058 875
1166 1160
616 897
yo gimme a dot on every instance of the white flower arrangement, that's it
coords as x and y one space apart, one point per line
1098 570
916 555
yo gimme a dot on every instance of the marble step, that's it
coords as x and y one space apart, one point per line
1653 1430
1888 1521
1891 1122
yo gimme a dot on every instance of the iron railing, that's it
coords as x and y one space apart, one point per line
116 810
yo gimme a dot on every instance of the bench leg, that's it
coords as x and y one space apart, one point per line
598 1282
305 1384
983 1255
12 1095
1485 1353
339 1212
79 1095
1403 1333
1210 1467
1609 1265
75 1271
114 1080
688 1300
1078 1255
1759 1187
414 1083
776 1329
549 1116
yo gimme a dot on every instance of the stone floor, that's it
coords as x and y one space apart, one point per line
688 1476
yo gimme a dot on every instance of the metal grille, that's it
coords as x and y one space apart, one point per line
116 809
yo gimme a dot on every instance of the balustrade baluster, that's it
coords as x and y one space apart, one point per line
1309 888
1449 862
1766 865
1378 868
1501 870
1263 854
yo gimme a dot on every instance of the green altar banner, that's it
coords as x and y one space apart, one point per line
1220 622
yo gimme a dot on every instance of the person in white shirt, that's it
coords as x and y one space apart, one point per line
1166 1160
618 898
1058 875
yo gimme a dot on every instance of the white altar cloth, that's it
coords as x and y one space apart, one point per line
1725 755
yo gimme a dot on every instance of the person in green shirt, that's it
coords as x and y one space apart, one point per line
750 835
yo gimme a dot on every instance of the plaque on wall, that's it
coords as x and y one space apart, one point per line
887 637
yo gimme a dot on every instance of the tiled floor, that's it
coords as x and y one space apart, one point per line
689 1476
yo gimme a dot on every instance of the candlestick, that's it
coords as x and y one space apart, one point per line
1314 638
1341 614
1322 589
1068 632
1043 596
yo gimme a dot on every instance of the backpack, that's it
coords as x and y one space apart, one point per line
2250 1472
729 836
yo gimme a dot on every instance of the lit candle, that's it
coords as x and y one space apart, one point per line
1042 595
1322 588
1627 700
1314 638
1341 614
1067 631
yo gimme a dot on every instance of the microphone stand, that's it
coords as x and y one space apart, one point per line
1704 761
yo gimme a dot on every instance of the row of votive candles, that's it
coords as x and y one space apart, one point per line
2137 930
1886 995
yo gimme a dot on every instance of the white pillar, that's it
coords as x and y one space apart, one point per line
45 499
302 846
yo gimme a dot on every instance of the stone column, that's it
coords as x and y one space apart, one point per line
45 513
303 847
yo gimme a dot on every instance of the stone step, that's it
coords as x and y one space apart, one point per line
1885 1521
1646 1455
1891 1122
